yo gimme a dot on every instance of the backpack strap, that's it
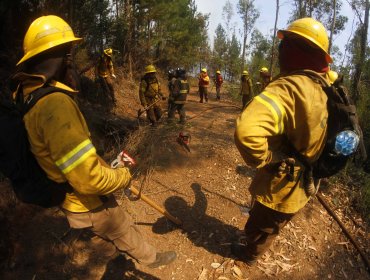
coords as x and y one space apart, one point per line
313 75
39 93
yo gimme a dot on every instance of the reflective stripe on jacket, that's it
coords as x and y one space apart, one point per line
180 91
293 108
60 141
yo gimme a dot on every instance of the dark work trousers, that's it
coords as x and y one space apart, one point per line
154 113
203 93
107 86
180 108
245 99
262 227
218 90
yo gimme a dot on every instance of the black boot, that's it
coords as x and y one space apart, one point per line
163 259
239 250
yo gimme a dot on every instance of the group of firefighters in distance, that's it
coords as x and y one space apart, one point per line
150 89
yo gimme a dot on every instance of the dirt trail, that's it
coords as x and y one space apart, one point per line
207 189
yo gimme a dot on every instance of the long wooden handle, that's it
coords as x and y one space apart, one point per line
140 112
160 209
147 200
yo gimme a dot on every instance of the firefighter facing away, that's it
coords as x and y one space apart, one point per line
289 114
66 153
218 82
178 94
246 88
150 94
105 71
203 85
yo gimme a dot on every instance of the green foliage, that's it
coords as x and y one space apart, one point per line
321 10
260 54
249 14
171 32
233 59
233 90
220 48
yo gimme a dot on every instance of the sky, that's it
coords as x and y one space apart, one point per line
265 23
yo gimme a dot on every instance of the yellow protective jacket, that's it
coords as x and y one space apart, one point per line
60 141
105 66
290 111
203 80
149 91
246 86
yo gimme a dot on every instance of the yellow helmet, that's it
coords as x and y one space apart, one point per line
108 52
45 33
311 30
218 72
204 70
264 70
332 75
245 73
150 69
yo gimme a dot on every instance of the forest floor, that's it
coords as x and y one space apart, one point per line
207 189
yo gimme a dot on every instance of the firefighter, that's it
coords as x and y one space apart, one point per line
171 82
246 88
105 70
203 85
178 96
60 141
150 94
289 115
171 79
265 79
218 82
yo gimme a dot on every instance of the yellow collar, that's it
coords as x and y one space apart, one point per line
31 86
62 86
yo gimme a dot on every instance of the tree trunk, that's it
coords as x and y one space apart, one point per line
360 62
273 40
70 11
129 42
244 54
332 24
117 9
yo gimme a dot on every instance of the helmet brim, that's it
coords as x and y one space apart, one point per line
44 47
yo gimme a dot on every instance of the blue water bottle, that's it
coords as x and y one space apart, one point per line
346 142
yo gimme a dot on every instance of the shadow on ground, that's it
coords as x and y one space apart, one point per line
120 268
201 229
38 244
